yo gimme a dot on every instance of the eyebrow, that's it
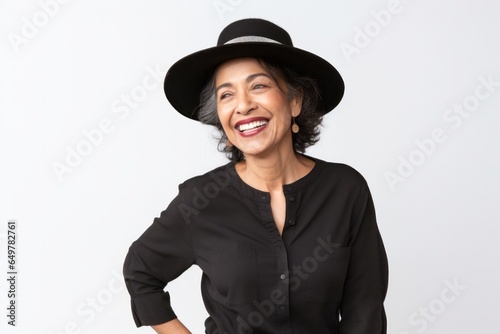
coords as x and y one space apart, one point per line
248 79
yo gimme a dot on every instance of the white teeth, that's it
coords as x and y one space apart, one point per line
252 125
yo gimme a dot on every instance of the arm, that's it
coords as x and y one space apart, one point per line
171 327
161 254
362 310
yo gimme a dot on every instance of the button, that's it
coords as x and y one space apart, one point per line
282 307
291 222
283 276
292 198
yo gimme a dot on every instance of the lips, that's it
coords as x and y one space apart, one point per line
251 124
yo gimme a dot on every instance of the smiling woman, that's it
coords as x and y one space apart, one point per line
253 108
307 121
287 243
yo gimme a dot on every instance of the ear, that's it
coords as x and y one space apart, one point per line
296 104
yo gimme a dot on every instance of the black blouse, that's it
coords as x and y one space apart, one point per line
326 273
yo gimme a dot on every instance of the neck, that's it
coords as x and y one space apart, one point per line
270 173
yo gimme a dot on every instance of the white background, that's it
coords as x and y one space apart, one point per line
65 73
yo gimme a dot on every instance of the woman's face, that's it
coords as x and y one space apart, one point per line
253 108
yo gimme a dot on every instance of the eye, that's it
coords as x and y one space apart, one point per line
224 95
259 86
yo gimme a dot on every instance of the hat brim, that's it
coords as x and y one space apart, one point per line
187 77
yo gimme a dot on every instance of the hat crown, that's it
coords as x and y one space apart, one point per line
254 28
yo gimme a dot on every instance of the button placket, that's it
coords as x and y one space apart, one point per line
282 286
280 296
293 199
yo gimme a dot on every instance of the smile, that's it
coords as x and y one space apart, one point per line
252 125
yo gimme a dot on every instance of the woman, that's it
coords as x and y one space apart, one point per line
287 243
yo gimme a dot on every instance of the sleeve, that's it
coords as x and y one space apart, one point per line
161 254
362 310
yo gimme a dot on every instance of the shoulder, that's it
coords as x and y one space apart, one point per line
342 182
215 178
339 172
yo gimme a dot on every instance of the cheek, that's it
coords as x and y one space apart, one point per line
284 117
224 120
223 116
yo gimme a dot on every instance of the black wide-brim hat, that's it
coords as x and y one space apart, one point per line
248 38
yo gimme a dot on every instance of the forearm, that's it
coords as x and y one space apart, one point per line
171 327
365 287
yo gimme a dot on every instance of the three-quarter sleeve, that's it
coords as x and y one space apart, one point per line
362 310
161 254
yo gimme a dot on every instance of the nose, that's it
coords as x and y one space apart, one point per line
245 104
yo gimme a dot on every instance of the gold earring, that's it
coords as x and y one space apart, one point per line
295 127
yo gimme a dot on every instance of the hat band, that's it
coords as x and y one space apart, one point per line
245 39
